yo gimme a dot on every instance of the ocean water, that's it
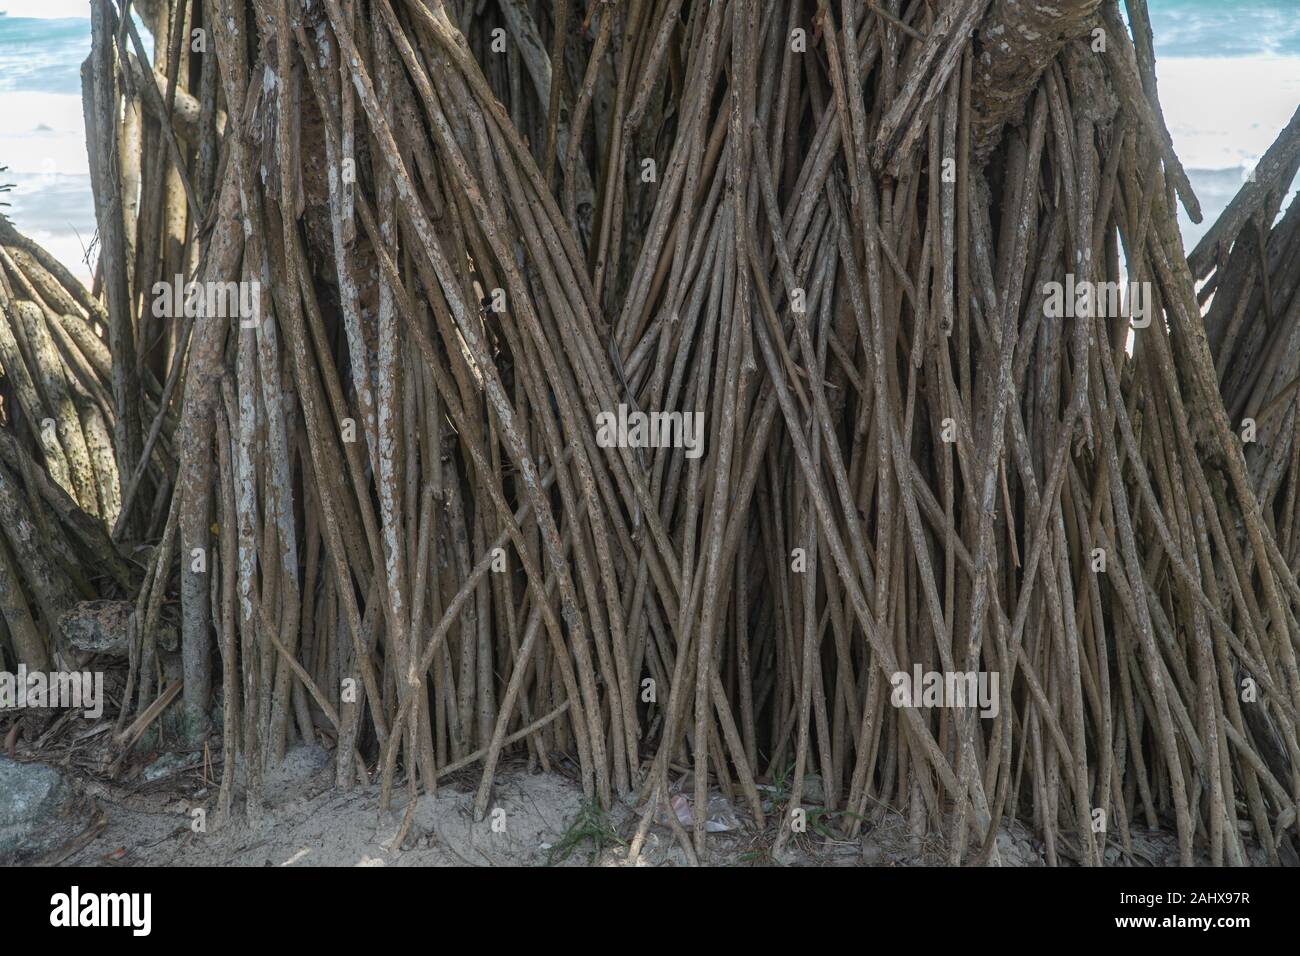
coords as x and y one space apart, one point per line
1228 74
43 134
1225 28
42 56
42 129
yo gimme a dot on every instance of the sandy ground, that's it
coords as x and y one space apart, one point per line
305 821
155 807
536 819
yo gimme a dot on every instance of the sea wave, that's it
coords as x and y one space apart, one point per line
1223 28
42 55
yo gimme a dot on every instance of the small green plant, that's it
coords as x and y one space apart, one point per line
780 780
590 825
781 783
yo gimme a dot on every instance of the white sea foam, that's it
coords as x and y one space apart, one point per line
43 133
43 142
1224 113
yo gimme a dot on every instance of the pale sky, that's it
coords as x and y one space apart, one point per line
47 9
